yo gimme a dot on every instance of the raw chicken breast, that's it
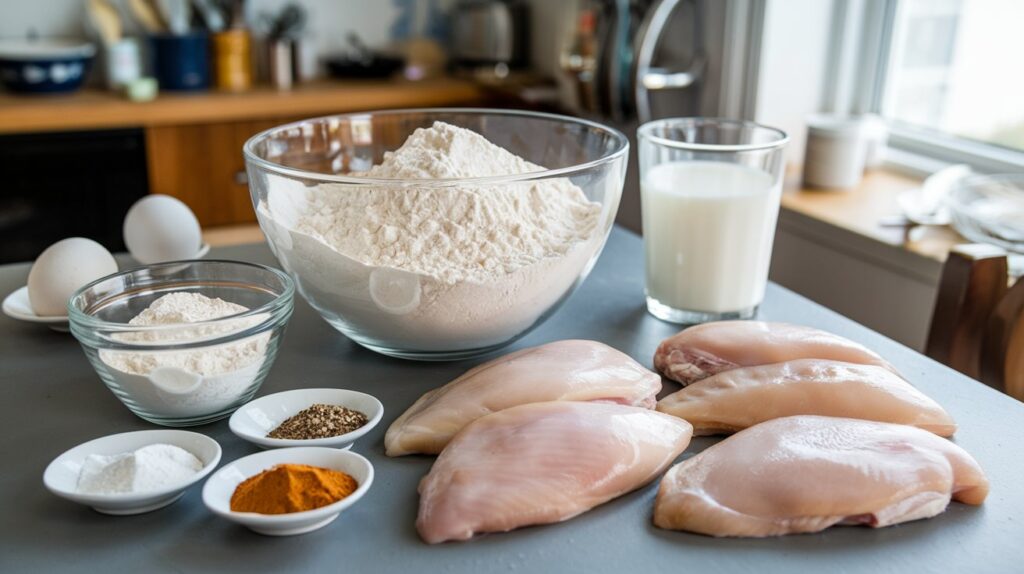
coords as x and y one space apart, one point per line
543 463
806 473
736 399
564 370
704 350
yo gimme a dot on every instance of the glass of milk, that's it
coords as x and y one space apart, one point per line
710 191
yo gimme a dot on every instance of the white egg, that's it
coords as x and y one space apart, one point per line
62 269
161 228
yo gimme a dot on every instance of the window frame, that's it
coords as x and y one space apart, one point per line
860 53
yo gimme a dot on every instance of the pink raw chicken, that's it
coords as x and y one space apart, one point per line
806 473
736 399
704 350
543 463
571 370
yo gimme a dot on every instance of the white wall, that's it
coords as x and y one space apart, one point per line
792 70
329 23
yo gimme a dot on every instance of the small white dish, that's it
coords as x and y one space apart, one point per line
218 490
18 306
61 476
204 249
253 420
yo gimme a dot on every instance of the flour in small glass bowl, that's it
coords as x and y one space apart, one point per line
431 267
193 382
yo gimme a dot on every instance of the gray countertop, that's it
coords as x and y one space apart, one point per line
51 400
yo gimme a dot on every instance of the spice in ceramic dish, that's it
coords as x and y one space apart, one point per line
150 468
288 488
319 421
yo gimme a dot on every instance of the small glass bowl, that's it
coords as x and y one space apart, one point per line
990 209
183 374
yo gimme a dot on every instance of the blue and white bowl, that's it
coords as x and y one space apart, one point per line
44 66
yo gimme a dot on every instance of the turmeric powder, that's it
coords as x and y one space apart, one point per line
289 488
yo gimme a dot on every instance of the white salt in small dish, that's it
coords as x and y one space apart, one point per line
18 306
218 490
61 476
255 419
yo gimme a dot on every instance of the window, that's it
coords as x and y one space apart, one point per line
951 69
948 76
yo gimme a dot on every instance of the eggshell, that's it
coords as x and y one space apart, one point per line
161 228
62 269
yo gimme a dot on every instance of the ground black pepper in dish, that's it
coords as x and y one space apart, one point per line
319 421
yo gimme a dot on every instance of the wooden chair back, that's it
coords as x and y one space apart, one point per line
977 326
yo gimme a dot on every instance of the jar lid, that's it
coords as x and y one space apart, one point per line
835 125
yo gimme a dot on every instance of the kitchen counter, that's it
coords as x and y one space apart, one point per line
96 109
863 210
52 400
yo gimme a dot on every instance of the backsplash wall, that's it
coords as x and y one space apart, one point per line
329 23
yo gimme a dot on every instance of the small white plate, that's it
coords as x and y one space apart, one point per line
218 490
17 306
61 476
253 420
204 249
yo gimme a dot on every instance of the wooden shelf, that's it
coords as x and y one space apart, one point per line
94 109
864 209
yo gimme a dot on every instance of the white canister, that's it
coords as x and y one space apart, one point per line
124 63
836 151
876 131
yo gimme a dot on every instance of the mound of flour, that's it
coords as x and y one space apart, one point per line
192 382
454 266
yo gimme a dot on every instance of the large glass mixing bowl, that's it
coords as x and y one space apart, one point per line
308 188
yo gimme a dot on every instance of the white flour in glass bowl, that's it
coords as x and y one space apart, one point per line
431 267
194 382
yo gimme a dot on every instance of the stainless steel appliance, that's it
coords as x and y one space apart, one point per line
489 33
625 62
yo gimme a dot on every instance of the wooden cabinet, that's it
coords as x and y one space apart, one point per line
194 141
203 166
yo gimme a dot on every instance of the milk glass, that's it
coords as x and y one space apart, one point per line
710 191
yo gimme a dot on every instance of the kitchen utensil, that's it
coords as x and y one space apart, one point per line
44 66
18 306
61 476
99 316
212 17
218 490
288 23
103 18
359 61
990 209
373 306
254 420
926 205
148 17
177 14
235 10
